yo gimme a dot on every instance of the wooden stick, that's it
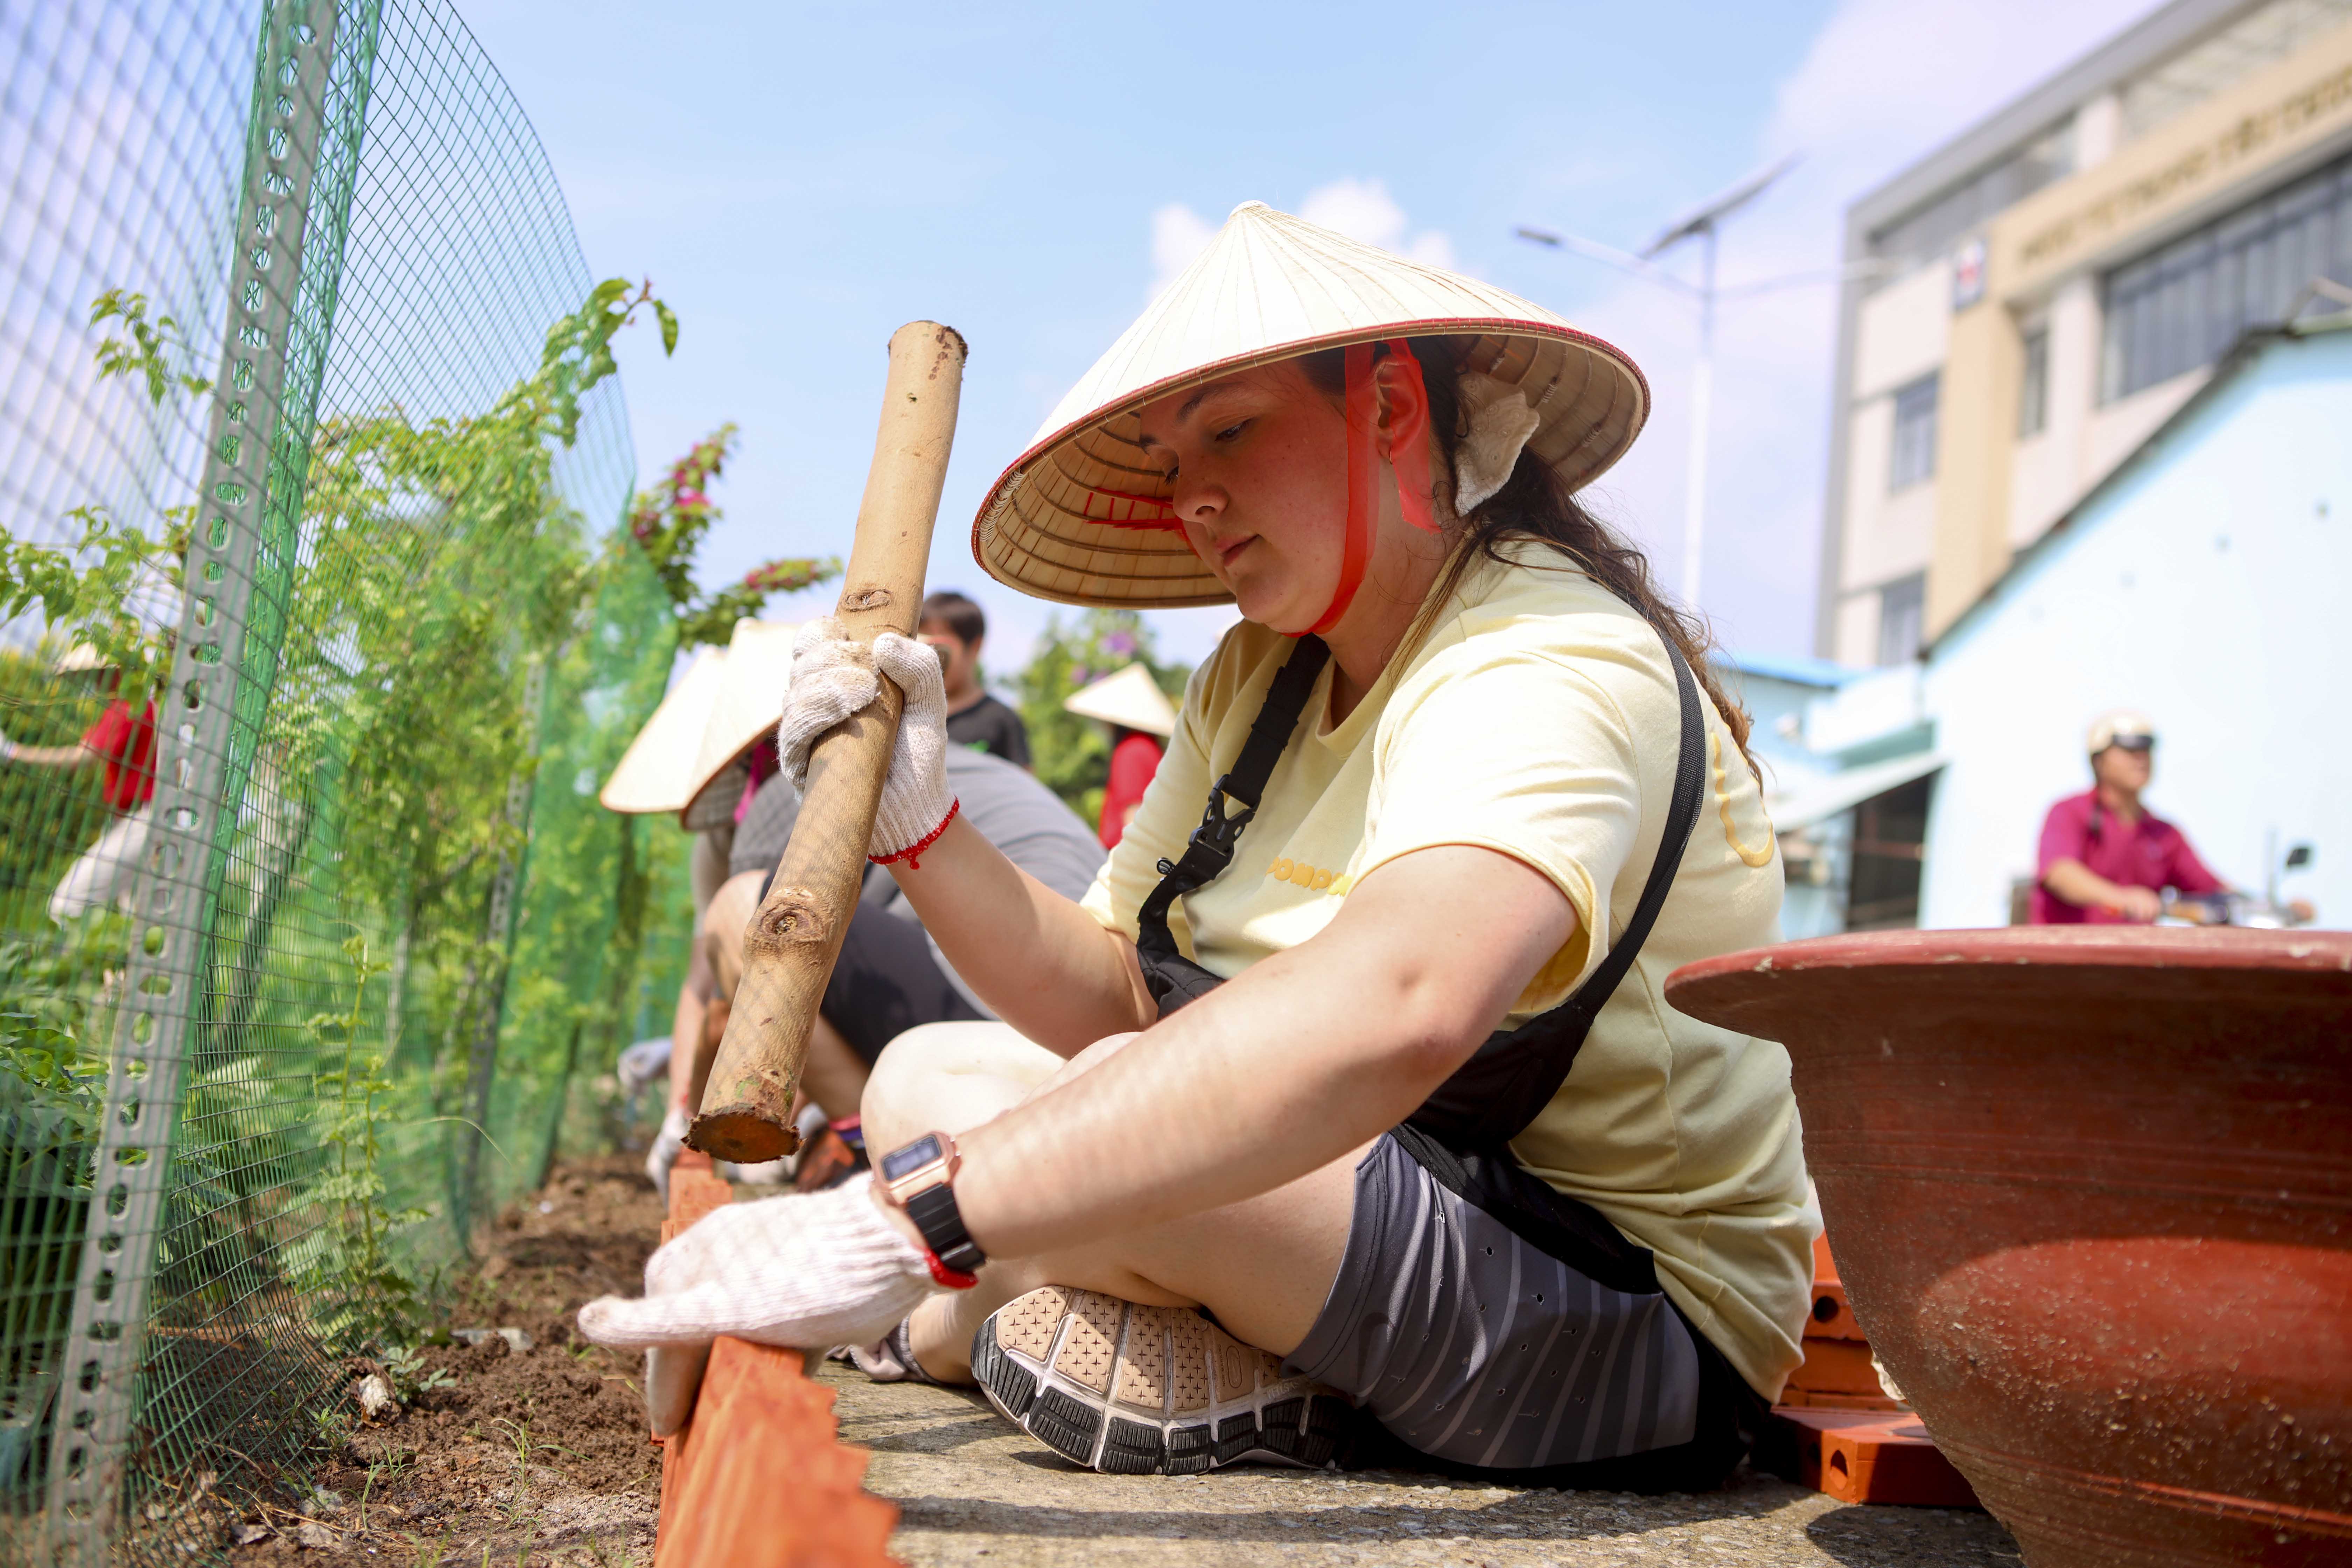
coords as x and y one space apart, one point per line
789 951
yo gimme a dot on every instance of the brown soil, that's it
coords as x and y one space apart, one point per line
539 1457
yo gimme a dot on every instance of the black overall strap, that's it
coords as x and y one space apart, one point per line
1682 816
1210 848
1462 1133
1491 1097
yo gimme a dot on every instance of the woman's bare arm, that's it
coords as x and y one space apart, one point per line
74 756
1308 1054
1045 964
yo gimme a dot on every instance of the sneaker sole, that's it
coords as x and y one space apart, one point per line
1147 1390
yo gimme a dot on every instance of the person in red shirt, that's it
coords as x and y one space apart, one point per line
2106 858
1140 719
123 743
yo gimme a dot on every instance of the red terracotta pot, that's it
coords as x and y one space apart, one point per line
2090 1190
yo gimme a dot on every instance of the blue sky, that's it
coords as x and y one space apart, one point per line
799 181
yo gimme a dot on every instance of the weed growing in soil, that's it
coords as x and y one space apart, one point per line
411 1375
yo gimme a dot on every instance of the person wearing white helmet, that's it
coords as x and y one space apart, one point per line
2105 857
1347 1099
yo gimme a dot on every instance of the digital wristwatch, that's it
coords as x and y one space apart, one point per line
920 1178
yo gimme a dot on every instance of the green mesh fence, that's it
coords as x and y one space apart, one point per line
319 651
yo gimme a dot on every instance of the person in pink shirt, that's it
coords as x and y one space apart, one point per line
2106 858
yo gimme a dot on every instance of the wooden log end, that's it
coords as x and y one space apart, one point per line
743 1132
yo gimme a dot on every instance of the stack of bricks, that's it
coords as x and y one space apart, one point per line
759 1478
1836 1428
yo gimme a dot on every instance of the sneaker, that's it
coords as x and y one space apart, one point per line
1149 1391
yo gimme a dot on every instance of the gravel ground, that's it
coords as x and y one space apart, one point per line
973 1490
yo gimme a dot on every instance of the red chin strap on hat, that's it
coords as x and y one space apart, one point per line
1409 460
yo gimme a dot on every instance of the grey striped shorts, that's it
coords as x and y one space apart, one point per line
1469 1343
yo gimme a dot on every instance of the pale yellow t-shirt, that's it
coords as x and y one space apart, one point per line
1539 718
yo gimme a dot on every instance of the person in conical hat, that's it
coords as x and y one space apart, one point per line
1140 720
1348 1097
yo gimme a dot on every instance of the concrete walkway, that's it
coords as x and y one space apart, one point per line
974 1491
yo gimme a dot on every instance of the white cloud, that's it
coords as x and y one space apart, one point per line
1363 209
1885 82
1360 210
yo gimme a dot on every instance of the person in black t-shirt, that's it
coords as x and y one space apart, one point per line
955 625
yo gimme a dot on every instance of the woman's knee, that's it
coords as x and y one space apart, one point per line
947 1077
1093 1057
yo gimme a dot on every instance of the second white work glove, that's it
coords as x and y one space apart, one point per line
834 678
805 1272
668 1143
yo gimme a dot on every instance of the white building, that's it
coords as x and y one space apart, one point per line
2049 287
2203 581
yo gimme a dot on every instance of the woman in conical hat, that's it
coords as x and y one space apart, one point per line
1140 721
1348 1094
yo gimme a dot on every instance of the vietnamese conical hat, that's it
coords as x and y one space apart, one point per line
1128 698
652 775
1082 516
750 701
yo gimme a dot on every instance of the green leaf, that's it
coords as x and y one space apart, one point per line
669 318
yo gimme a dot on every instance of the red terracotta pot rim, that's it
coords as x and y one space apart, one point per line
2066 947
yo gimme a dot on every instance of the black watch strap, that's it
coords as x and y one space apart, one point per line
935 1214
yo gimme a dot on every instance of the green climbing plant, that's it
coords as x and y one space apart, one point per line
438 565
88 591
1072 755
357 1288
671 523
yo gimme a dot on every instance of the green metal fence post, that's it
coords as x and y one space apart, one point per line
302 144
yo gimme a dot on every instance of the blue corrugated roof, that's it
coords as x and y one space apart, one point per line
1797 669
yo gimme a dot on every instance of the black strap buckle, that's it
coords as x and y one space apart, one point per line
1210 849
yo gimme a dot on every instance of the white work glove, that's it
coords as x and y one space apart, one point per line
833 678
807 1272
668 1143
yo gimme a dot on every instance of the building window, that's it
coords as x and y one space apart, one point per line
2033 388
1933 228
1902 618
2181 307
1890 850
1914 434
2267 34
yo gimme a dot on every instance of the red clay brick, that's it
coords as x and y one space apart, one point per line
1859 1457
759 1479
